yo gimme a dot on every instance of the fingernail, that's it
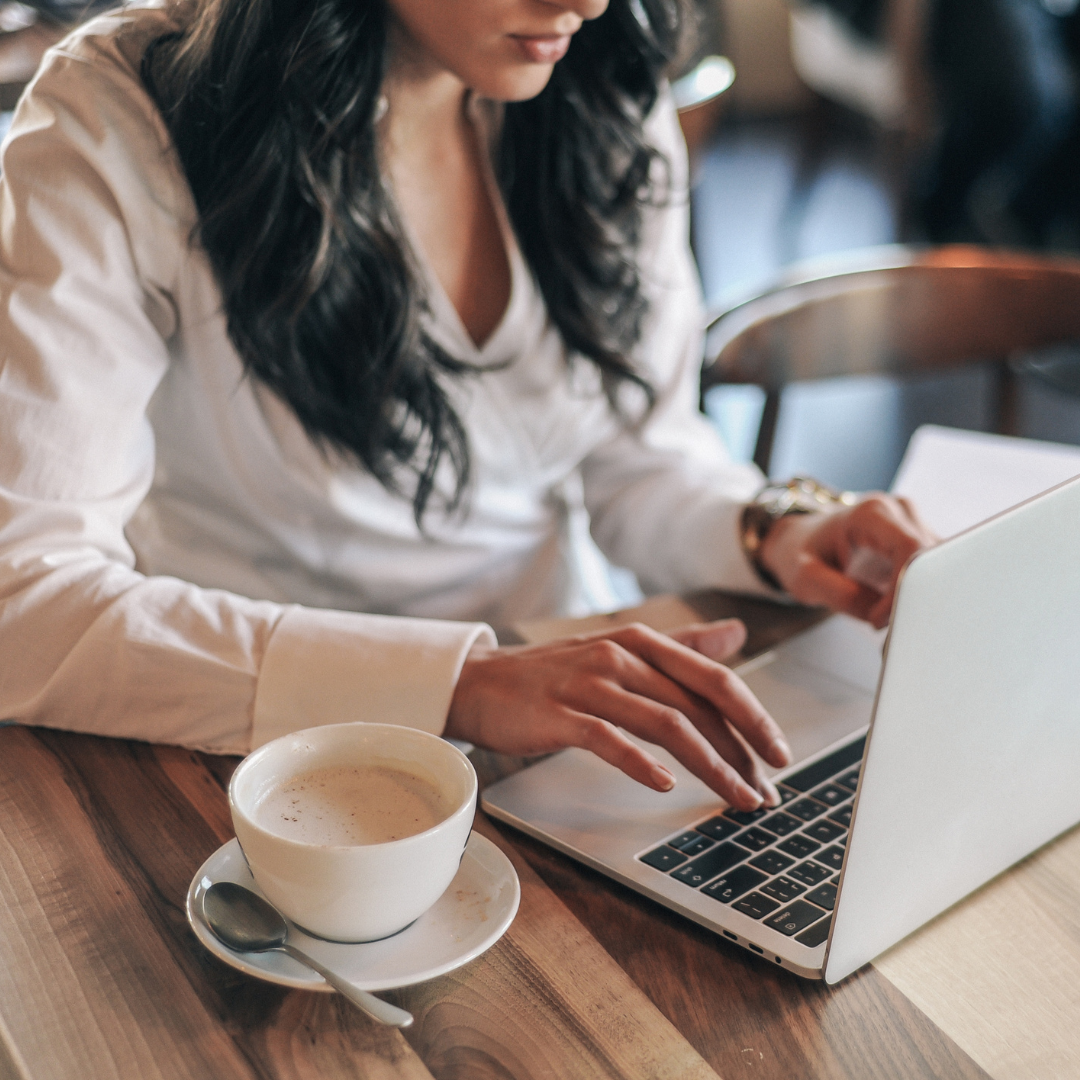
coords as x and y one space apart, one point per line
772 796
665 781
752 796
782 749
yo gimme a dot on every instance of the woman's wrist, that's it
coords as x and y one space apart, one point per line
769 518
779 551
460 717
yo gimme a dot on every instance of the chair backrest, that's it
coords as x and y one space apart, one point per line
896 310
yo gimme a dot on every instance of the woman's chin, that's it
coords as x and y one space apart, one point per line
517 82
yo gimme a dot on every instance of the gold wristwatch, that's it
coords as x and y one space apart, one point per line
799 495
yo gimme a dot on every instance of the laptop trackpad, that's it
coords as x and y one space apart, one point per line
814 709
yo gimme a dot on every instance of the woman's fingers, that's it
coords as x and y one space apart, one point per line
606 741
712 682
718 640
891 529
818 583
580 691
885 527
849 560
673 690
929 537
695 736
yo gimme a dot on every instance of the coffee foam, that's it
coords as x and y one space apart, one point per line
347 805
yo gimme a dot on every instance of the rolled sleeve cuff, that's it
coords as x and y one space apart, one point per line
332 667
713 551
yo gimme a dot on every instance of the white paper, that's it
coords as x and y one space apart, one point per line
958 478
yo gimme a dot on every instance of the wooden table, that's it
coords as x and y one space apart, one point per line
100 976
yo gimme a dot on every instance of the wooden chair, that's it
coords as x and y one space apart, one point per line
895 310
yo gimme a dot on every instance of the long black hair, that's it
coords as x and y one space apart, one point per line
272 107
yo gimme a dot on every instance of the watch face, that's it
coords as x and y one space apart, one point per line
800 495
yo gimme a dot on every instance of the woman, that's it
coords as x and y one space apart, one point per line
320 318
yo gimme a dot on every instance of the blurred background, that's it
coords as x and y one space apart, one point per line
856 123
818 128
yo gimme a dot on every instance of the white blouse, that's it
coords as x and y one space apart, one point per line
179 563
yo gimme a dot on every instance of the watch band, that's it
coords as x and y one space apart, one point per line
799 495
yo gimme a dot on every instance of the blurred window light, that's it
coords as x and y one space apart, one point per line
1060 7
736 410
15 16
709 79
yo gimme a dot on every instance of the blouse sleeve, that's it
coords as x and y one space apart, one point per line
665 497
87 202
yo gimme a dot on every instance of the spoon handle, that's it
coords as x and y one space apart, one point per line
375 1007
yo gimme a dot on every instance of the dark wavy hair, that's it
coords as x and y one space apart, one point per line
272 107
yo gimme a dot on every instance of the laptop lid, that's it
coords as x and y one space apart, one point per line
973 760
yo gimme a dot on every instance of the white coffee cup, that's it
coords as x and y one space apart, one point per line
358 892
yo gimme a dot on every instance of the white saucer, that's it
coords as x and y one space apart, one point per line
467 919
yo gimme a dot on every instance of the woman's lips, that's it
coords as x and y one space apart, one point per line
543 50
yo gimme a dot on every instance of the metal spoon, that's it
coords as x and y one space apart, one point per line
246 922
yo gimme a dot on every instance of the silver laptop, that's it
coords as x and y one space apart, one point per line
918 779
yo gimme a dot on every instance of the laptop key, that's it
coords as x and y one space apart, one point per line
806 809
664 858
755 905
824 896
756 839
795 917
697 845
832 857
827 767
786 794
781 824
849 779
684 838
832 795
799 845
825 831
809 873
842 816
772 862
733 884
719 828
706 867
816 934
783 889
745 817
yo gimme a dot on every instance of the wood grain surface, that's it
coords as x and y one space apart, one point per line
1000 971
745 1017
547 1001
101 976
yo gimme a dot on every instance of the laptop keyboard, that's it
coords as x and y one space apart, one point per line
778 865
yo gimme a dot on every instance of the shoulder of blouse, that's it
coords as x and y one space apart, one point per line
108 49
93 77
88 117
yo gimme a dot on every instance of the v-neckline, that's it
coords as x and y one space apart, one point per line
442 307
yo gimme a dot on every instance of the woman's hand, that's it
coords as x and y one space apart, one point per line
848 559
666 689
